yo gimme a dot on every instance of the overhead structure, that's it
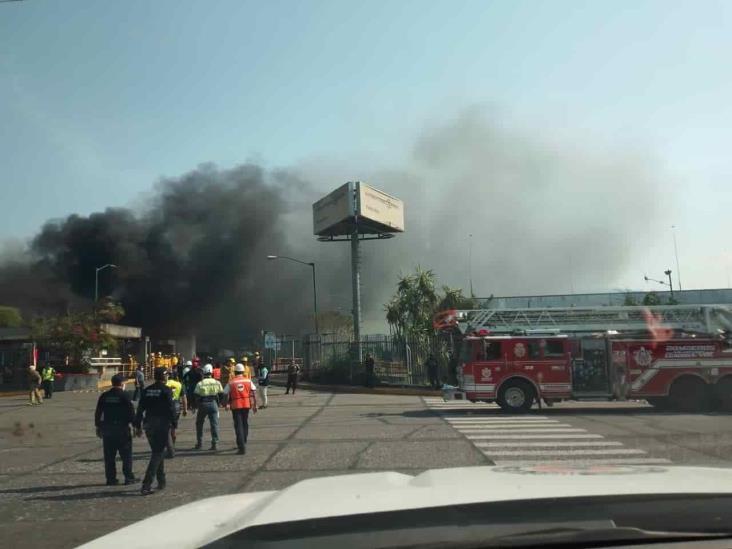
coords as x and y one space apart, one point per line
706 319
353 212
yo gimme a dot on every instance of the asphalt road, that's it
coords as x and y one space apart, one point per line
52 491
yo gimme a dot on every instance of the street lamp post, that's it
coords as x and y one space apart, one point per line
315 288
670 283
96 279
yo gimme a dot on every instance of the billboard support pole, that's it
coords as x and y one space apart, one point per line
356 285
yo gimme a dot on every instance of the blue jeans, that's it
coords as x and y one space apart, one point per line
208 409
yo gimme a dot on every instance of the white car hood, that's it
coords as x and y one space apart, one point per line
376 492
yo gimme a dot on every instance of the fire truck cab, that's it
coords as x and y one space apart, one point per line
669 367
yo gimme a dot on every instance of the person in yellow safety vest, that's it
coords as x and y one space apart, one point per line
181 405
208 393
48 376
158 360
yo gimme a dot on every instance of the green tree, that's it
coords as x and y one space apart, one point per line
651 299
10 317
630 301
78 335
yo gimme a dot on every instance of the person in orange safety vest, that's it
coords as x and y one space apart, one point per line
241 392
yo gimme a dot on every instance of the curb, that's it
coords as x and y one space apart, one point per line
405 391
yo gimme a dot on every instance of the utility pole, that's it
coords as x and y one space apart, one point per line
676 254
470 263
667 272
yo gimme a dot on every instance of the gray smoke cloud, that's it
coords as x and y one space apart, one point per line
545 216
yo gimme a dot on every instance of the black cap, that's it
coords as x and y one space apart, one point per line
118 380
160 373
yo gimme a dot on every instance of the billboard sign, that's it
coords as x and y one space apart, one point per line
376 211
381 209
333 211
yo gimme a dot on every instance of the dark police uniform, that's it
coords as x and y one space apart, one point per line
112 418
156 412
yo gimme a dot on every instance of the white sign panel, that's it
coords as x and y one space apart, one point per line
382 208
333 209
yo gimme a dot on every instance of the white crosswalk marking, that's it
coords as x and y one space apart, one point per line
533 439
556 444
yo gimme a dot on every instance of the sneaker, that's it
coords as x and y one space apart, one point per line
131 480
213 446
114 482
241 451
197 446
146 491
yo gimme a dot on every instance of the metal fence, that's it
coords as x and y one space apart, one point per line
397 361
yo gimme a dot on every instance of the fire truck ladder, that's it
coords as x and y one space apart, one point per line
707 319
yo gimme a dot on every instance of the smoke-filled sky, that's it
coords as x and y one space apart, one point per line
566 138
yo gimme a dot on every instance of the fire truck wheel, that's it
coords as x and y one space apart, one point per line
660 403
723 394
688 394
516 396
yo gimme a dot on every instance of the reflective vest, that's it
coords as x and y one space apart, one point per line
208 387
175 388
47 374
240 393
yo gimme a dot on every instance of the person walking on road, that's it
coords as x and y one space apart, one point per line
195 375
139 382
369 365
293 370
227 371
264 384
48 377
156 413
241 393
208 394
431 364
34 384
179 401
113 417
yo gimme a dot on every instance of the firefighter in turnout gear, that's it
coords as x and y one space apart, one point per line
241 393
156 413
208 393
112 419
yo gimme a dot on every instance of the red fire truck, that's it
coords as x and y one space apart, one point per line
679 357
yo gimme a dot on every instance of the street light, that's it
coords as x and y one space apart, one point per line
315 290
670 283
96 279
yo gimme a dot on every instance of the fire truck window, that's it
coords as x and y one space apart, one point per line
492 350
554 348
532 348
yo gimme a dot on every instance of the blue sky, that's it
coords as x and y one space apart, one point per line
100 99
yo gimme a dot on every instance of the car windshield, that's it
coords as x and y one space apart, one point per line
328 258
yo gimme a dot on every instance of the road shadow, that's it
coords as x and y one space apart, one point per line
91 495
36 489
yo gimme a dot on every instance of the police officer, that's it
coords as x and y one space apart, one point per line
208 394
156 412
48 374
241 393
112 418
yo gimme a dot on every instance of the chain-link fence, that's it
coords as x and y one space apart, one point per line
397 361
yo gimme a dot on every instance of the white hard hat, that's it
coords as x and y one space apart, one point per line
189 363
208 369
239 367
